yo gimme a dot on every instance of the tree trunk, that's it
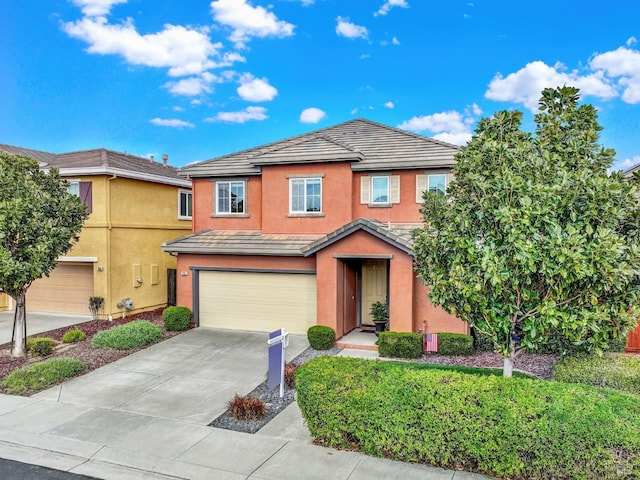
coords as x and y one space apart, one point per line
19 339
507 366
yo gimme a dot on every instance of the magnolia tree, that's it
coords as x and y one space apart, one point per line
39 221
534 239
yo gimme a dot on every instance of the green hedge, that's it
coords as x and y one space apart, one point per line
129 335
505 427
176 319
612 370
400 345
455 344
39 376
321 337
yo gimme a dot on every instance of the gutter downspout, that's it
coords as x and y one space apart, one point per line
109 227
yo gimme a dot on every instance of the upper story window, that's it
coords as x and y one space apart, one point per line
185 204
437 183
82 190
305 195
379 190
230 197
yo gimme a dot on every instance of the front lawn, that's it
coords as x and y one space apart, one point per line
515 428
612 370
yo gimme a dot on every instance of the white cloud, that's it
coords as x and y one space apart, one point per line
395 41
254 89
354 111
389 4
93 8
248 21
625 164
631 41
389 104
185 51
171 122
473 109
347 29
194 86
312 115
178 108
248 114
525 85
364 56
624 64
451 126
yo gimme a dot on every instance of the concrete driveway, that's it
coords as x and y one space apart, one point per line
38 323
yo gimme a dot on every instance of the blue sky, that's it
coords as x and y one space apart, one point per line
197 79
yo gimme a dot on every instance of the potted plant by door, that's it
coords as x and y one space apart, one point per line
380 314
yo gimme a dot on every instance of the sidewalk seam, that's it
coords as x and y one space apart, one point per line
269 458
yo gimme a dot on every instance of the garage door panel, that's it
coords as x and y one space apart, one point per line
257 301
66 290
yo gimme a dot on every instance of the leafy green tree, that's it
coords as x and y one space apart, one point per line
39 221
534 239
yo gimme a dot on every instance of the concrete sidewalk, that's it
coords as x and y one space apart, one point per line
146 416
38 323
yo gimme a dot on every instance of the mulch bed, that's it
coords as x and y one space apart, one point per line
92 357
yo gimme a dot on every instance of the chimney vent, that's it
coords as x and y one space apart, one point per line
165 157
151 157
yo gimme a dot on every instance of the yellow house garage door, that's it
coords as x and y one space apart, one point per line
66 290
255 301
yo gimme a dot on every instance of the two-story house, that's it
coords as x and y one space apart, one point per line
312 230
135 205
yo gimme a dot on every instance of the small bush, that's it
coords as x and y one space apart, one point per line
40 346
130 335
39 376
73 336
506 427
400 345
612 370
247 407
481 343
455 344
290 370
321 337
176 319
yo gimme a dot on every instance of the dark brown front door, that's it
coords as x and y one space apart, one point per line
350 298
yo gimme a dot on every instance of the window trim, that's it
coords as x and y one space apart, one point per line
305 179
189 193
216 203
372 179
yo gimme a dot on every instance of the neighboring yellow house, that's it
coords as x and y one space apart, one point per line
135 204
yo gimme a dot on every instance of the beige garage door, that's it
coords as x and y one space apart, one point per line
66 290
260 302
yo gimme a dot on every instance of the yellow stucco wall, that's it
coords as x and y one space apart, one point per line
130 219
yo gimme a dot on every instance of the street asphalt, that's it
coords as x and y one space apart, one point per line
146 415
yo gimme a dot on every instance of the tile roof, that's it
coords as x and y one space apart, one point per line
398 236
239 243
368 145
101 161
223 242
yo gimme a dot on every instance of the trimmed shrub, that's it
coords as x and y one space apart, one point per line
290 370
129 335
506 427
40 346
455 344
176 319
400 345
247 407
39 376
321 337
73 336
612 370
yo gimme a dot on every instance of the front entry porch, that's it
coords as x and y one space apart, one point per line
359 339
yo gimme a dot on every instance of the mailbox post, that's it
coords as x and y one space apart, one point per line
278 341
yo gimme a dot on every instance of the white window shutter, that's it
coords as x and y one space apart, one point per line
450 177
394 188
421 186
365 189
